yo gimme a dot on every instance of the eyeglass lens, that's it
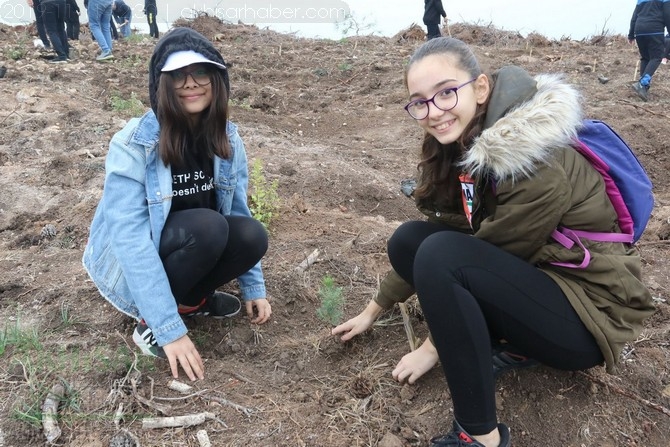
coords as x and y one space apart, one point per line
200 76
444 100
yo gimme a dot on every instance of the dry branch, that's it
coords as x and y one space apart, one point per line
180 387
638 106
188 420
50 413
311 259
409 330
627 393
203 439
223 401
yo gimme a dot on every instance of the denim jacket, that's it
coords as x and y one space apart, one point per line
121 255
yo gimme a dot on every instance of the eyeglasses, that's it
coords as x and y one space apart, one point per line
444 100
199 75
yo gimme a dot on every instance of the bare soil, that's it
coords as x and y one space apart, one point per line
326 120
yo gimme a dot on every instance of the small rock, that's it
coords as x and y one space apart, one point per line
390 440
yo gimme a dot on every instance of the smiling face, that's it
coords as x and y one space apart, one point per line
193 87
437 72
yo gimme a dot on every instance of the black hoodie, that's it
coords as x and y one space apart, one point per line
180 39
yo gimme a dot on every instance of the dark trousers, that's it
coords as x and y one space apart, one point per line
41 31
203 250
53 16
652 49
151 20
472 293
433 30
72 23
112 29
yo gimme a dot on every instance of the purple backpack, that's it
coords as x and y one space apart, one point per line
626 183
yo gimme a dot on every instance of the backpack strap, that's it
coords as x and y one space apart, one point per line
568 238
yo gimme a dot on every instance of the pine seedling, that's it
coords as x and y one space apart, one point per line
332 302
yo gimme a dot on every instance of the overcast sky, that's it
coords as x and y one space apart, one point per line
554 19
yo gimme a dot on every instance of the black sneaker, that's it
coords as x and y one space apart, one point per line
59 60
642 91
218 305
144 339
460 438
506 358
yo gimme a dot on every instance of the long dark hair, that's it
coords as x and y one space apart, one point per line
438 174
179 134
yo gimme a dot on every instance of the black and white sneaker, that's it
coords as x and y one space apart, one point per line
218 305
145 340
458 437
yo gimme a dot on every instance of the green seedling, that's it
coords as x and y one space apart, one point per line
332 302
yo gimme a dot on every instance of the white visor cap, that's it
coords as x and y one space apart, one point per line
180 59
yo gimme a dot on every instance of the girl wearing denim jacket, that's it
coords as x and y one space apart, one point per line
173 223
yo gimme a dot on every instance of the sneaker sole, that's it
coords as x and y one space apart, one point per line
144 346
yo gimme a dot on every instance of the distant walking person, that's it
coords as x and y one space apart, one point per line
41 31
123 16
433 10
99 21
647 28
151 10
53 17
72 24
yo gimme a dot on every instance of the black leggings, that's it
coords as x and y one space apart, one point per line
202 250
473 292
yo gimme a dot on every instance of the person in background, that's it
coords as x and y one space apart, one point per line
72 19
433 11
173 223
53 17
150 10
39 24
123 16
100 22
647 29
498 174
667 49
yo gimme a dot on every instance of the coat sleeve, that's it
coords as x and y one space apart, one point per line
528 211
392 290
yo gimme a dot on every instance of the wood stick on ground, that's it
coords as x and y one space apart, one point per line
627 393
50 412
161 408
646 109
642 244
637 67
188 420
409 330
203 439
118 416
311 259
223 401
180 387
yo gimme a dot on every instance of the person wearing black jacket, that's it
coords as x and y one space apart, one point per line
433 10
123 16
72 19
53 16
41 31
150 10
647 29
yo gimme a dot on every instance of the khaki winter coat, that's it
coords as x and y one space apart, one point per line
540 182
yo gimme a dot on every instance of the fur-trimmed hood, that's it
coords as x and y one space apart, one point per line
543 115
